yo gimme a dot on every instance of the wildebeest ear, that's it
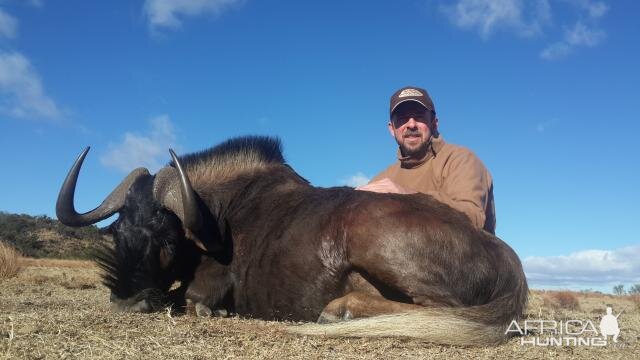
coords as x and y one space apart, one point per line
107 230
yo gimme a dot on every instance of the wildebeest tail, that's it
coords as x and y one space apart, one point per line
475 325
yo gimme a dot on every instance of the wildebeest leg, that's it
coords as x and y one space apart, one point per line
205 294
201 310
409 265
358 304
417 285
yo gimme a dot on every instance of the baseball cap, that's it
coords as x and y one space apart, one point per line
411 93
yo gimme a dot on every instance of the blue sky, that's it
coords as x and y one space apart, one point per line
544 91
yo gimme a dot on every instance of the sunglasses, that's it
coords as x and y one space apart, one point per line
423 116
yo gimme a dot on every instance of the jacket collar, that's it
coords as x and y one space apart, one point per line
434 147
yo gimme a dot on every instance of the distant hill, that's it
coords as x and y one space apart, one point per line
44 237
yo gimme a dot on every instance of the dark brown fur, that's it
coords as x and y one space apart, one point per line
289 249
296 245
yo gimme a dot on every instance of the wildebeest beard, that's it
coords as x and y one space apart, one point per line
115 277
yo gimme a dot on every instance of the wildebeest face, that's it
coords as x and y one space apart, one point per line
140 268
155 211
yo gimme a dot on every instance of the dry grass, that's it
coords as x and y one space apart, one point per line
561 300
636 301
56 312
9 261
59 263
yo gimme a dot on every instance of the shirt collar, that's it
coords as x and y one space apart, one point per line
434 147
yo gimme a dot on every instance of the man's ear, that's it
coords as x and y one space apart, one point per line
434 127
391 129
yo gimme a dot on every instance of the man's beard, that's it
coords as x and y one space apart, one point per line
417 152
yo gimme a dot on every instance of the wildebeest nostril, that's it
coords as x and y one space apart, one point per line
142 306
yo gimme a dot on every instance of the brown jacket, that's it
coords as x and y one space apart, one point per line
453 175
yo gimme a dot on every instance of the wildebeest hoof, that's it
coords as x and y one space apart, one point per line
327 317
203 310
220 313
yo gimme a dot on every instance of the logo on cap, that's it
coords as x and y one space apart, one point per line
409 92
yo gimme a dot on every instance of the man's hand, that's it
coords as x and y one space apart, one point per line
385 186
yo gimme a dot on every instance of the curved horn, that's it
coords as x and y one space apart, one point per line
66 212
181 202
192 218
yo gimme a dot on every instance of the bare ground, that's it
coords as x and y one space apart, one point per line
59 309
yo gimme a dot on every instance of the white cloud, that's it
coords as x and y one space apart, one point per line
594 9
170 13
579 35
525 18
356 180
557 50
583 33
529 18
603 268
21 91
8 25
149 150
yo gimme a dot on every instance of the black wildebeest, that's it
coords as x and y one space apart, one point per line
244 232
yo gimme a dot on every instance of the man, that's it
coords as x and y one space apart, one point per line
451 174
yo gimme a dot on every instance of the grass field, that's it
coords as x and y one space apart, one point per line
58 309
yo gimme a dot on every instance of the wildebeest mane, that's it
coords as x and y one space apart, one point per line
232 157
